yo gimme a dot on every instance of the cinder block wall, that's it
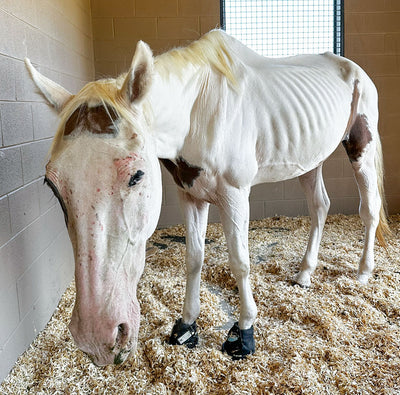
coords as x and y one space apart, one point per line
373 41
372 35
163 24
36 262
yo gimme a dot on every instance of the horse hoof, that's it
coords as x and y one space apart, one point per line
184 334
302 279
363 278
240 342
295 283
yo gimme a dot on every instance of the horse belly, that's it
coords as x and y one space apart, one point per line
306 125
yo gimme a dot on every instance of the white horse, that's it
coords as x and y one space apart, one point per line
221 118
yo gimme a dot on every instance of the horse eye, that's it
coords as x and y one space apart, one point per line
136 178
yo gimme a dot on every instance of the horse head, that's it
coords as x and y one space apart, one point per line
104 170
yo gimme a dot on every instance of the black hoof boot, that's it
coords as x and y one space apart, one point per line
240 343
184 334
294 284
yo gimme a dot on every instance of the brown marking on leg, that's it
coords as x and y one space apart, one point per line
182 172
358 138
97 120
357 134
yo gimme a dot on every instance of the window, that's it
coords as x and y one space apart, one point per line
285 27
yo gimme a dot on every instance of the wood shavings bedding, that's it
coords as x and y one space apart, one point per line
338 337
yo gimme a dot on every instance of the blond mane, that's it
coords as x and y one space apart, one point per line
210 50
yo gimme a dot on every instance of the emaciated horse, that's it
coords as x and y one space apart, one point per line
221 119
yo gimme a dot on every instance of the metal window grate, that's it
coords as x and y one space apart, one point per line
285 27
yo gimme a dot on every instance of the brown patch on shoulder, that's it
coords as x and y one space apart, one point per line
182 172
187 172
97 120
173 170
358 138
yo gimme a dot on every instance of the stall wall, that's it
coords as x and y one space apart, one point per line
118 25
36 262
373 41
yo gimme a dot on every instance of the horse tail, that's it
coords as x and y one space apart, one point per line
383 228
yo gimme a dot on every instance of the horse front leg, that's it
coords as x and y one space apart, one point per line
234 212
195 213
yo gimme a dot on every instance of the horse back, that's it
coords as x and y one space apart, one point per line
282 119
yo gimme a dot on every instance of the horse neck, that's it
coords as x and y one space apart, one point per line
172 98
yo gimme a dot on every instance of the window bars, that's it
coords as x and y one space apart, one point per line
285 27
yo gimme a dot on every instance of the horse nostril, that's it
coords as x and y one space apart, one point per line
122 343
122 331
121 328
122 335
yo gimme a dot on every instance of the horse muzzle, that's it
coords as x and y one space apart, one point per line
105 347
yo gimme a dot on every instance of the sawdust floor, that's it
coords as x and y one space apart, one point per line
338 337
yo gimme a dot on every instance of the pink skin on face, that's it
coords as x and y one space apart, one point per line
106 315
124 166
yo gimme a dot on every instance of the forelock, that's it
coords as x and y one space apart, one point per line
101 99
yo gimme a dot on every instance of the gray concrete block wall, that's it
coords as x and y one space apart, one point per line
36 262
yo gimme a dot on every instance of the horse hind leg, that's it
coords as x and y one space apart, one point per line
318 206
361 150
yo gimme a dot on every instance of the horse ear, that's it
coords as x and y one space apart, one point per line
55 94
140 75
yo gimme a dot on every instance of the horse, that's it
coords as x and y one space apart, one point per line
221 119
